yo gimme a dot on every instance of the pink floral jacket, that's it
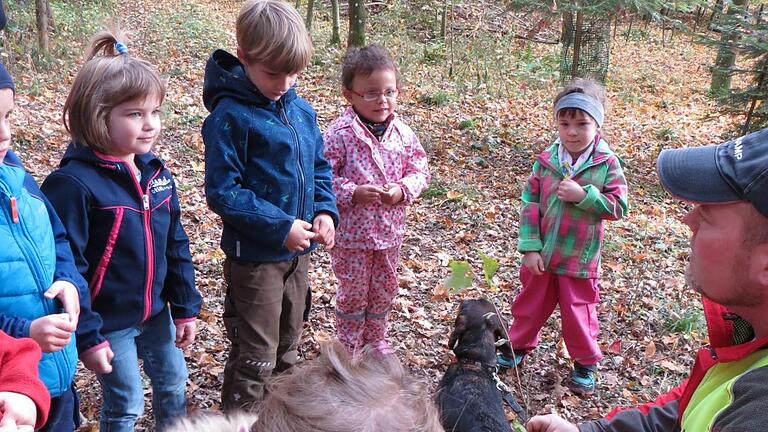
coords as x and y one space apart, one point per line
358 158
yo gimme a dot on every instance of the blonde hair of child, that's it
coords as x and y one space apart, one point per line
336 393
106 79
272 32
212 421
588 87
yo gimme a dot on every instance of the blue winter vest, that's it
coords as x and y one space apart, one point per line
27 264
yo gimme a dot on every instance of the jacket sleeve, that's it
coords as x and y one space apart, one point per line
416 171
748 409
14 326
179 288
225 157
611 202
529 239
335 153
325 200
660 415
19 373
71 201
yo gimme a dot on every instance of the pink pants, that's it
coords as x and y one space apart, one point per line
367 286
578 300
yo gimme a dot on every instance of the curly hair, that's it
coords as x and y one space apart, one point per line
364 61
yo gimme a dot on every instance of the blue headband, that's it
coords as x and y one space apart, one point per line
588 104
121 48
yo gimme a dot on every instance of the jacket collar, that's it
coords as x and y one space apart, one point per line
350 119
80 152
600 154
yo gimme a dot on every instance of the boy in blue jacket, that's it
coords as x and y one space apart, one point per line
42 292
266 176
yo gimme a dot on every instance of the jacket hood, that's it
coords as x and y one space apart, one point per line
225 78
79 152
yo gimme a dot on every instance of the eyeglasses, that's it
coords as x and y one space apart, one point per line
374 96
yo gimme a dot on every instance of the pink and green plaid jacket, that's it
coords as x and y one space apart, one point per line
569 236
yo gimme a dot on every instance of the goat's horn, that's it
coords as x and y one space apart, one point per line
489 314
500 342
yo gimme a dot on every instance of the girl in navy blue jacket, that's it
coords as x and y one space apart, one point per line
120 207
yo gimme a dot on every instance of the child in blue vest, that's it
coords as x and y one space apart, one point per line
38 279
121 210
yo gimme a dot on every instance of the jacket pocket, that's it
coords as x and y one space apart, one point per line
98 276
589 246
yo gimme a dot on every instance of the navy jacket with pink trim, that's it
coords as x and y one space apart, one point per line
127 240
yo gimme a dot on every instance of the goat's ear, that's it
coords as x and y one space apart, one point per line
499 333
458 329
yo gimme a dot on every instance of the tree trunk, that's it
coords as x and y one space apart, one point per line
577 35
356 36
726 54
310 11
335 32
298 4
41 14
444 20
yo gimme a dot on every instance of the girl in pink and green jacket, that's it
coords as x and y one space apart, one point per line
576 184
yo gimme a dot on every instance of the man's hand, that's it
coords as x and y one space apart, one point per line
67 294
392 194
323 227
570 191
550 423
52 332
300 236
19 412
185 334
533 262
366 194
99 361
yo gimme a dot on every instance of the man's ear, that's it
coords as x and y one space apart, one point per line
760 263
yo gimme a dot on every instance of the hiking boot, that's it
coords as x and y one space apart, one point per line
505 362
582 380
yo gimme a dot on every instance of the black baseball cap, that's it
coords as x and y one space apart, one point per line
734 171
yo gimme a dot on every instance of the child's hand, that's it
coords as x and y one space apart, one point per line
99 361
185 334
366 194
69 298
326 232
52 332
392 194
19 412
570 191
300 236
533 262
550 423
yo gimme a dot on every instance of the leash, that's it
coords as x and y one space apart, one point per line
506 395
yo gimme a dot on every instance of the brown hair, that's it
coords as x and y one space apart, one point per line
336 393
588 87
273 32
364 61
107 79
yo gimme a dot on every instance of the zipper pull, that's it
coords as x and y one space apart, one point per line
14 211
145 200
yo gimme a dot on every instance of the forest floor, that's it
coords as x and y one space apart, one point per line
482 120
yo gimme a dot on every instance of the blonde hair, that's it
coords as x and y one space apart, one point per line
336 393
107 79
273 32
213 421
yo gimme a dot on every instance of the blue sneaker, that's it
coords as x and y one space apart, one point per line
505 362
582 380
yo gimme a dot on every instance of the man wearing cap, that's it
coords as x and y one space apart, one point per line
726 390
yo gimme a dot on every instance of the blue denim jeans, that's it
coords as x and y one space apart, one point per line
154 342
